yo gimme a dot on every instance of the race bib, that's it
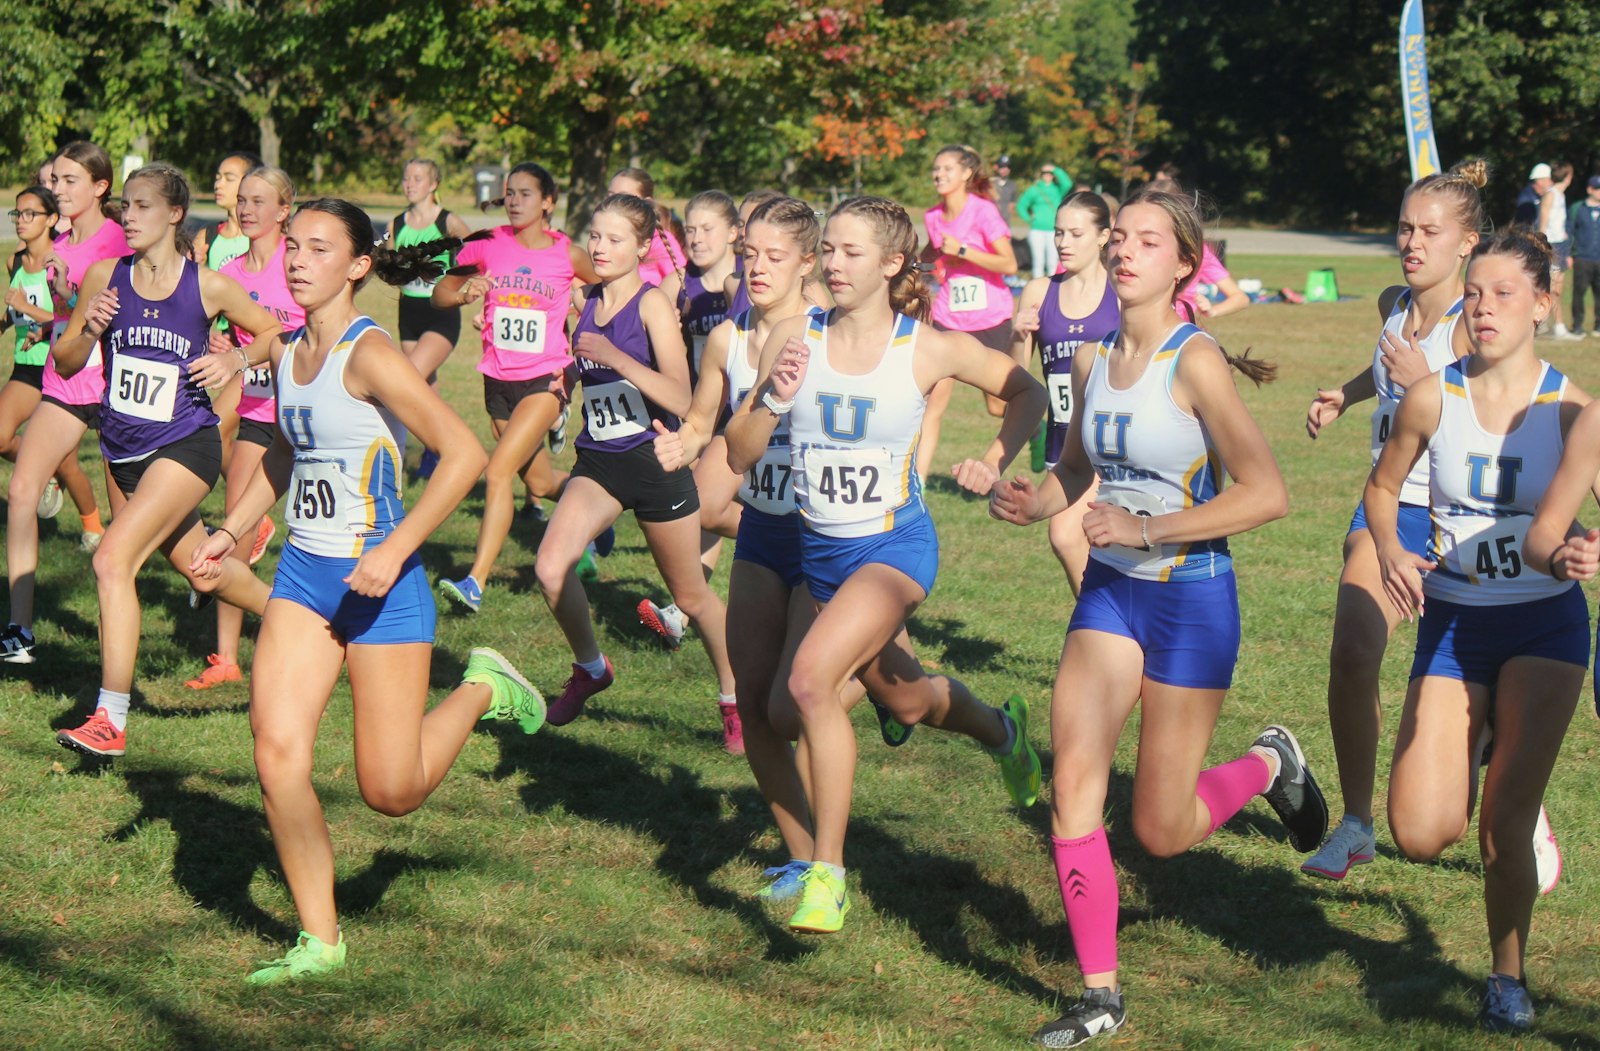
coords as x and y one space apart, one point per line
316 496
768 485
847 485
1485 549
697 347
1060 387
614 410
143 389
60 327
968 294
1382 422
519 330
1143 505
258 383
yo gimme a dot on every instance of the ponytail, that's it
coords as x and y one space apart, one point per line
401 266
910 295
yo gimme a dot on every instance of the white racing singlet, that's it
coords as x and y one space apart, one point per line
1152 459
1438 348
853 438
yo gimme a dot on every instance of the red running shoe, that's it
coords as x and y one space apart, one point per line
95 737
578 689
732 728
264 533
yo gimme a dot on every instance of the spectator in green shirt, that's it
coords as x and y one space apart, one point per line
1037 207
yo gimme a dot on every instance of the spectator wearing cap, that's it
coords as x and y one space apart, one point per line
1583 230
1005 188
1526 213
1037 207
1553 224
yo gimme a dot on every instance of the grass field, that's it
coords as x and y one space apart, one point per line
590 887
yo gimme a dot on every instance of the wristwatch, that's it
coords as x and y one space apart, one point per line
962 251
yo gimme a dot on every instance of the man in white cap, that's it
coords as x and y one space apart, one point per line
1527 209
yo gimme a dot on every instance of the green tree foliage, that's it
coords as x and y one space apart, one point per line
1291 111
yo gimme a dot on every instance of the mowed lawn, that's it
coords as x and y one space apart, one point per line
590 887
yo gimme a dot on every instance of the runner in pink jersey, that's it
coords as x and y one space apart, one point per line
81 174
523 272
969 244
265 198
663 265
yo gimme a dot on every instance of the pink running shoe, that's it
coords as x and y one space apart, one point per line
578 689
95 737
264 533
732 728
1546 855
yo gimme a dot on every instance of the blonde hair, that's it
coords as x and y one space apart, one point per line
895 235
280 182
1462 185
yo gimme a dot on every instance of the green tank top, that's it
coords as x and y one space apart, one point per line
37 288
405 236
223 250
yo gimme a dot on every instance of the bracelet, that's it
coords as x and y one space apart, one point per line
1552 565
225 529
778 408
1144 530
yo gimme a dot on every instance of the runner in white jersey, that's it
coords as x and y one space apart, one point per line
1440 217
350 592
1503 644
1157 623
853 385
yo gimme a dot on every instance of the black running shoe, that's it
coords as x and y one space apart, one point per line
893 732
1095 1013
1294 793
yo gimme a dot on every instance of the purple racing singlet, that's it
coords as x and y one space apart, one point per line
149 400
703 308
616 416
1058 338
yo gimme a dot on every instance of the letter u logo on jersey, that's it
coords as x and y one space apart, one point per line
860 409
1120 422
1506 484
297 425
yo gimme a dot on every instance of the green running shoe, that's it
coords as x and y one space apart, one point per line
893 732
824 903
587 570
310 957
513 697
1020 767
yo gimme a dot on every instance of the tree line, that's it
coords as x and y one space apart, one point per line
1280 110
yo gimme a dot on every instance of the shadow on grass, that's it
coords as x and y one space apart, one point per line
970 653
675 810
179 1027
221 845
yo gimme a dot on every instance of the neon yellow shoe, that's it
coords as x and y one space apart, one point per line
824 903
1020 768
512 696
310 957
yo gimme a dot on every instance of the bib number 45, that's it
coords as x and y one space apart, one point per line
1498 558
845 484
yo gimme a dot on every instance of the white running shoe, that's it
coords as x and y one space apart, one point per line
669 622
50 500
1351 843
1546 855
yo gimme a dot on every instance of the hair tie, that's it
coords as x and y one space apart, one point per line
916 268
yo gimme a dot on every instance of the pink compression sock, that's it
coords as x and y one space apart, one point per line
1089 894
1227 788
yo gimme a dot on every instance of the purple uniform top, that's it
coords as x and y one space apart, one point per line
149 400
616 416
1058 339
703 308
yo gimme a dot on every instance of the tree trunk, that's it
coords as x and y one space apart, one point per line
590 140
271 143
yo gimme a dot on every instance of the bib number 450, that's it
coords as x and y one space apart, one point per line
314 499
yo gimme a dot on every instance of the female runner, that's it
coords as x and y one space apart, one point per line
523 272
226 241
30 312
1059 314
157 431
663 265
350 590
712 229
265 197
1503 645
428 333
852 385
634 370
969 243
1158 620
780 251
81 174
1440 217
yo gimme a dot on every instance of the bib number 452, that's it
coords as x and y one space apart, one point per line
845 484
